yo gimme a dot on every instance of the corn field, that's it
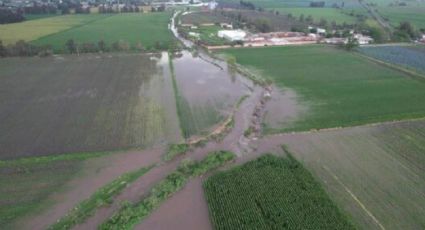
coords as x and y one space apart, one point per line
271 193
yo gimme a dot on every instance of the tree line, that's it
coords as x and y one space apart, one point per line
11 16
25 49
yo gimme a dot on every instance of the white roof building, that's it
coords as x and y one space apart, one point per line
362 39
232 35
212 5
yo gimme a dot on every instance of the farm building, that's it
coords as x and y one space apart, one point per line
227 26
232 35
279 38
362 39
212 5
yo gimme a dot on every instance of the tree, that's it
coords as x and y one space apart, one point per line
263 25
101 46
64 8
10 16
3 51
377 33
71 46
323 22
301 18
351 44
407 28
309 18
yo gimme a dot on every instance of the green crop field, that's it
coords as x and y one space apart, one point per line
338 88
87 103
293 3
146 29
39 16
271 193
329 14
34 29
412 14
375 173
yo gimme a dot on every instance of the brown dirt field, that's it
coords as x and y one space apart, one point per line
187 209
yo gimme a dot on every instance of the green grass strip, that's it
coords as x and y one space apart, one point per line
175 150
47 159
132 214
101 197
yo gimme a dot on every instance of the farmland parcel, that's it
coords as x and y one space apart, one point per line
271 193
34 29
148 30
339 88
374 173
410 57
87 103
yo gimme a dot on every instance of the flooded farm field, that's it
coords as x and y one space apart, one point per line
207 92
282 110
85 103
374 173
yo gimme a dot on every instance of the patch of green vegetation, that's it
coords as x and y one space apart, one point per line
34 29
29 161
181 104
338 88
39 16
248 131
271 193
147 31
413 14
25 184
175 150
329 14
101 197
131 214
242 99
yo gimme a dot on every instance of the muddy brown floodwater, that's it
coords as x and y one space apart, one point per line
187 209
96 173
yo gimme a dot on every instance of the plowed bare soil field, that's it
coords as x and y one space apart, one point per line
66 104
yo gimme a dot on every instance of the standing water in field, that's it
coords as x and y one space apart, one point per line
206 92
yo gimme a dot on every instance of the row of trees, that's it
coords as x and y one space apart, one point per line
41 9
11 16
405 32
109 9
101 46
22 49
